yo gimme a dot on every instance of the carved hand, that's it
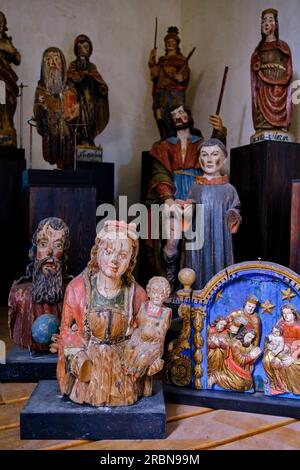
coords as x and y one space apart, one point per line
233 220
156 367
216 122
54 345
152 58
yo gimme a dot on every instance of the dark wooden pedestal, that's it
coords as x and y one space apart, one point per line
295 227
72 196
12 163
48 415
262 174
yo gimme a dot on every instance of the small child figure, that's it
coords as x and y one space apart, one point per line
143 351
275 344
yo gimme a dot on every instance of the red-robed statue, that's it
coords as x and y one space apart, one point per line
92 92
271 77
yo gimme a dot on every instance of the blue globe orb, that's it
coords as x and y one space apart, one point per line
44 327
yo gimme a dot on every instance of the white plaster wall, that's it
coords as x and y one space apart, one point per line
122 32
226 32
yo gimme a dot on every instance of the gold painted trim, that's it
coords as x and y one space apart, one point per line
225 275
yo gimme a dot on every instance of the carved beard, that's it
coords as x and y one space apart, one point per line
53 80
180 125
47 284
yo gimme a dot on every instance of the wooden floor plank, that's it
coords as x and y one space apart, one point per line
204 431
221 424
10 440
157 444
10 415
14 392
284 438
177 412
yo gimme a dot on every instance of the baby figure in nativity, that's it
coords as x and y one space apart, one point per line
282 363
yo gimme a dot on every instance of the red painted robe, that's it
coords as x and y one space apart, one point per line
21 314
271 76
108 385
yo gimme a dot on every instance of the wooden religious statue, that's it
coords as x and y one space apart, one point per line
241 333
36 298
175 165
232 344
271 81
92 92
170 76
143 352
108 325
281 359
221 215
55 107
8 85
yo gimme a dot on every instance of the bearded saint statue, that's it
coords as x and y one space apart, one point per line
55 108
41 290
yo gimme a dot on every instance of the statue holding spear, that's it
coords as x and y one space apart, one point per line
170 76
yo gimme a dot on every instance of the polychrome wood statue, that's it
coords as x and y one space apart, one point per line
92 92
175 165
143 352
103 308
170 76
221 218
241 333
271 80
282 353
36 299
8 85
55 107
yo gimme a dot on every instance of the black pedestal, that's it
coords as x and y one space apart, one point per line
73 196
248 402
262 174
12 163
295 232
48 415
22 367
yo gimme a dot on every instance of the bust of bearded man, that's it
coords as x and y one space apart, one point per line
41 290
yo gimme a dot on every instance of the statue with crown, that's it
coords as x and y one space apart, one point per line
271 83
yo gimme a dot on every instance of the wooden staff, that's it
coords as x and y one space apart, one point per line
190 54
222 90
187 59
155 34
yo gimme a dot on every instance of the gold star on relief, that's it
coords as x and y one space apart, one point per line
267 307
287 294
219 295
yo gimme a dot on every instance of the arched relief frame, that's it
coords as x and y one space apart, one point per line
274 286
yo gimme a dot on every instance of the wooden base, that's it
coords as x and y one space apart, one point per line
21 366
295 232
262 174
48 415
249 402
